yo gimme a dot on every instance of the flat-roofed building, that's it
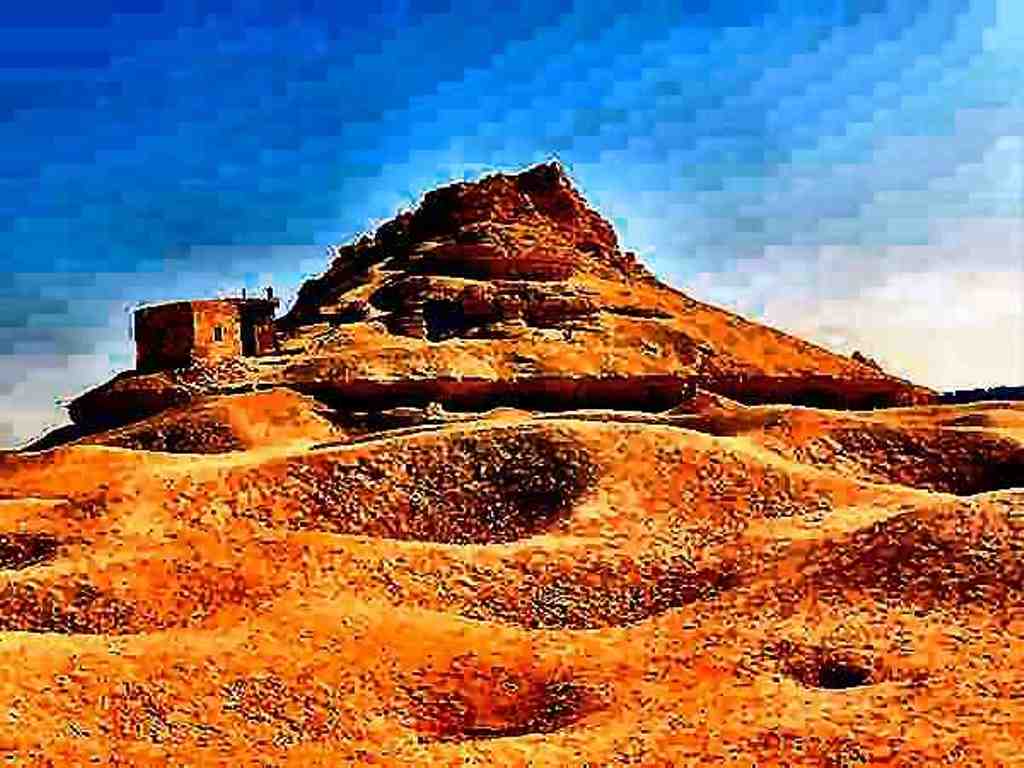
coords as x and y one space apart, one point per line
182 333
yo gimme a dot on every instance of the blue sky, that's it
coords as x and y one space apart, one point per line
850 170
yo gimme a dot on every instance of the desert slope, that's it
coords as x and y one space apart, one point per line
517 588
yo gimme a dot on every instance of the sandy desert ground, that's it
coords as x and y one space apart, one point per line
711 585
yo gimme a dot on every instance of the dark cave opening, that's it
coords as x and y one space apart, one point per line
837 675
445 319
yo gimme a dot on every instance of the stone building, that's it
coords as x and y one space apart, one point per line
182 333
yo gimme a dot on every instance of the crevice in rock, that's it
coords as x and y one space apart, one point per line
536 393
812 391
649 313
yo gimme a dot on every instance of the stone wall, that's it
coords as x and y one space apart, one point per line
210 344
164 337
179 334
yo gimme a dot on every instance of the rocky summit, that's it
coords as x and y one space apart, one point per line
508 291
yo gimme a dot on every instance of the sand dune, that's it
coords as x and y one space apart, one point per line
522 591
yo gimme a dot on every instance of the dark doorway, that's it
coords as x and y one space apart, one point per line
248 339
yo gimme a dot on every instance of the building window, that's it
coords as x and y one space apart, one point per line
218 333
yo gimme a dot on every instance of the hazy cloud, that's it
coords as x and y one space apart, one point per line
948 315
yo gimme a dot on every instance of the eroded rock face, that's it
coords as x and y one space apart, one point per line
439 308
496 292
531 226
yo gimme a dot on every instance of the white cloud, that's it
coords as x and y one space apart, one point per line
950 328
948 315
32 405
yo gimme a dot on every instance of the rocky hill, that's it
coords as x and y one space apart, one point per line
495 503
509 291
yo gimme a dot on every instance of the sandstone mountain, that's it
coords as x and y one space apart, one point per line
510 291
